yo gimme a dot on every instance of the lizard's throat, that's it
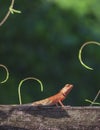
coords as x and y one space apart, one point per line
64 94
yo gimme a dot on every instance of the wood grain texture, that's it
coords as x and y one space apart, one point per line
25 117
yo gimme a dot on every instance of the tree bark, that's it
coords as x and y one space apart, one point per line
24 117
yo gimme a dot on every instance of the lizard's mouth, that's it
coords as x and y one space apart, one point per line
68 89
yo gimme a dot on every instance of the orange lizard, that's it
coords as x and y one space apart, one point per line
57 98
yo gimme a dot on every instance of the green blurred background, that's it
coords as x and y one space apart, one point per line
43 41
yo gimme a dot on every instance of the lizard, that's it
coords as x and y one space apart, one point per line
55 99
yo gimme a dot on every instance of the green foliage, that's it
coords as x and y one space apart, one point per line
43 41
81 7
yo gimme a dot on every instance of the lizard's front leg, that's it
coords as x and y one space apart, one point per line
60 102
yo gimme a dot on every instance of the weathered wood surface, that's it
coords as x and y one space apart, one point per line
49 118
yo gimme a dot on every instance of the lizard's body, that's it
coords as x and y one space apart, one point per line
57 98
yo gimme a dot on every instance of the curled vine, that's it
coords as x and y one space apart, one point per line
7 74
21 82
80 59
11 10
80 53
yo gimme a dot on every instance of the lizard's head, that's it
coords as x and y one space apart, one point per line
66 89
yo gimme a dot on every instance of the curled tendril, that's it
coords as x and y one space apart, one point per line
92 103
20 84
8 13
7 73
11 10
80 53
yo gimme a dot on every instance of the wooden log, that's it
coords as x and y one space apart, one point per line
23 117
